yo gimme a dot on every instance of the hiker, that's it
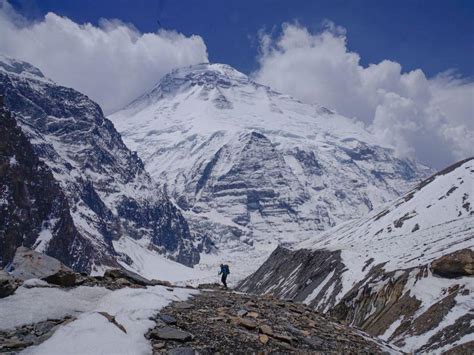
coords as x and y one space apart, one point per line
224 271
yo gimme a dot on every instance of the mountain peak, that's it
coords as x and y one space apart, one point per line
19 67
219 69
208 75
202 78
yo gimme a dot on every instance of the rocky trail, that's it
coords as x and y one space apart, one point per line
221 321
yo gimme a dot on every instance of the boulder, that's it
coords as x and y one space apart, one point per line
459 263
29 264
8 285
128 275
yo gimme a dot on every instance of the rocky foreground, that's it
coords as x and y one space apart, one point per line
211 320
220 321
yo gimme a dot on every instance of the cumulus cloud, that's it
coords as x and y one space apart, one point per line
430 119
112 63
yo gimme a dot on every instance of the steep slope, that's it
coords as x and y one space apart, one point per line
113 202
33 210
254 168
404 272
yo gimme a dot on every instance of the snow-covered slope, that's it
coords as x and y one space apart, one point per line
404 272
109 194
434 219
252 167
89 332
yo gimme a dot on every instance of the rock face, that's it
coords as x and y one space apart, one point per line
459 263
98 200
213 325
252 167
33 209
28 264
402 273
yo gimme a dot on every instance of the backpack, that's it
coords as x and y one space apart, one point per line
226 269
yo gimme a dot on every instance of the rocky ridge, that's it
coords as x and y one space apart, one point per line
96 193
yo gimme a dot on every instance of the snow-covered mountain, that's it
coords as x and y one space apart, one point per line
113 207
253 168
404 272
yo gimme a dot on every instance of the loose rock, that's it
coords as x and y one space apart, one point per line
168 333
211 318
265 329
168 319
241 312
247 323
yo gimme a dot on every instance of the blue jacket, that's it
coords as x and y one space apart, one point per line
224 270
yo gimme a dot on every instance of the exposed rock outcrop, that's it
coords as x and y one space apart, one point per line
316 273
459 263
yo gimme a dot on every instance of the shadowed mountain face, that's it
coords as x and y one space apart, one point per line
112 201
34 212
403 273
252 167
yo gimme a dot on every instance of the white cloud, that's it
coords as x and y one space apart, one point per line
112 63
432 119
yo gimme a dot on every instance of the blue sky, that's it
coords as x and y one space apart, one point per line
403 69
433 35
